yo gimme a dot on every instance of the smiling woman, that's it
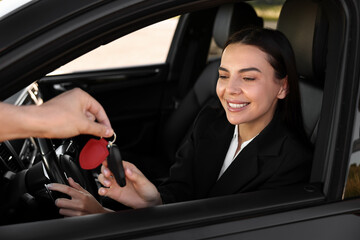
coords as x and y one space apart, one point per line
257 78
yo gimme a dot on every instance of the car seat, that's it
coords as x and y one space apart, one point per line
229 19
306 27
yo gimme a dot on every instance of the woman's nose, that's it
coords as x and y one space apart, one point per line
234 86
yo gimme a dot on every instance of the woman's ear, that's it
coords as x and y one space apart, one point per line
283 91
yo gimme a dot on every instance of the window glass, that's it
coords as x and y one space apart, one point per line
149 45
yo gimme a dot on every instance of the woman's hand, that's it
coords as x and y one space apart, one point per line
81 202
139 192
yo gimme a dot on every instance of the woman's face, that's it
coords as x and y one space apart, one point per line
247 87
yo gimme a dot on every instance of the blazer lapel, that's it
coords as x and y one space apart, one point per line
255 163
269 159
234 178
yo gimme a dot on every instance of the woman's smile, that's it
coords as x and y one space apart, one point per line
236 106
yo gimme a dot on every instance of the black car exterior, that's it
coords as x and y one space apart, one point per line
44 35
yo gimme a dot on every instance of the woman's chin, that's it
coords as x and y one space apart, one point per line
234 120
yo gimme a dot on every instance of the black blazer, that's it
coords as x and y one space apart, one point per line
275 158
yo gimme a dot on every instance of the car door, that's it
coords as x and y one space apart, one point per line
310 211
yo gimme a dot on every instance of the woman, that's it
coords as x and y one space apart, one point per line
254 139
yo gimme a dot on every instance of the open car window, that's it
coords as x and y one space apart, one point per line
149 45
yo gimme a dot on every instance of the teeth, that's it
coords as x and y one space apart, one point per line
234 105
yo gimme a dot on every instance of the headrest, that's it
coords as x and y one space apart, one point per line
231 18
306 27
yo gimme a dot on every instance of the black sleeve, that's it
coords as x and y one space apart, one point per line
179 186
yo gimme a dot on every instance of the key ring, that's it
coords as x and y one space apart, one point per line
111 143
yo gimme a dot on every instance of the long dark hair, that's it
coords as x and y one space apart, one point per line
281 57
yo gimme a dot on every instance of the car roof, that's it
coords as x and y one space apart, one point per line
20 23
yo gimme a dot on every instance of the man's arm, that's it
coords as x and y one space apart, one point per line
69 114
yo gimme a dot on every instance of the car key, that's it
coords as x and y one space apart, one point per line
115 165
96 151
93 153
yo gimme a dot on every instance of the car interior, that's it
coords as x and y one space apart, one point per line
168 97
309 44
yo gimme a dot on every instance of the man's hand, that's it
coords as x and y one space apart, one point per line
69 114
73 113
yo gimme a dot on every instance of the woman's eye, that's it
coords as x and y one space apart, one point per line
222 77
248 78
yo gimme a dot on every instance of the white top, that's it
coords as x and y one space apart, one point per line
230 156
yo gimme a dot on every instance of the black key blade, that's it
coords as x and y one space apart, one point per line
115 165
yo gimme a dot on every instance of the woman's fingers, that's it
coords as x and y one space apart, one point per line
106 177
81 202
105 163
75 185
103 191
68 207
61 188
67 203
73 190
107 182
131 173
111 188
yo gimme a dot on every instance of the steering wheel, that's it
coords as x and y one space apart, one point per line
58 166
50 161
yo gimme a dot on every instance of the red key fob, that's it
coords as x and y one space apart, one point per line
94 153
